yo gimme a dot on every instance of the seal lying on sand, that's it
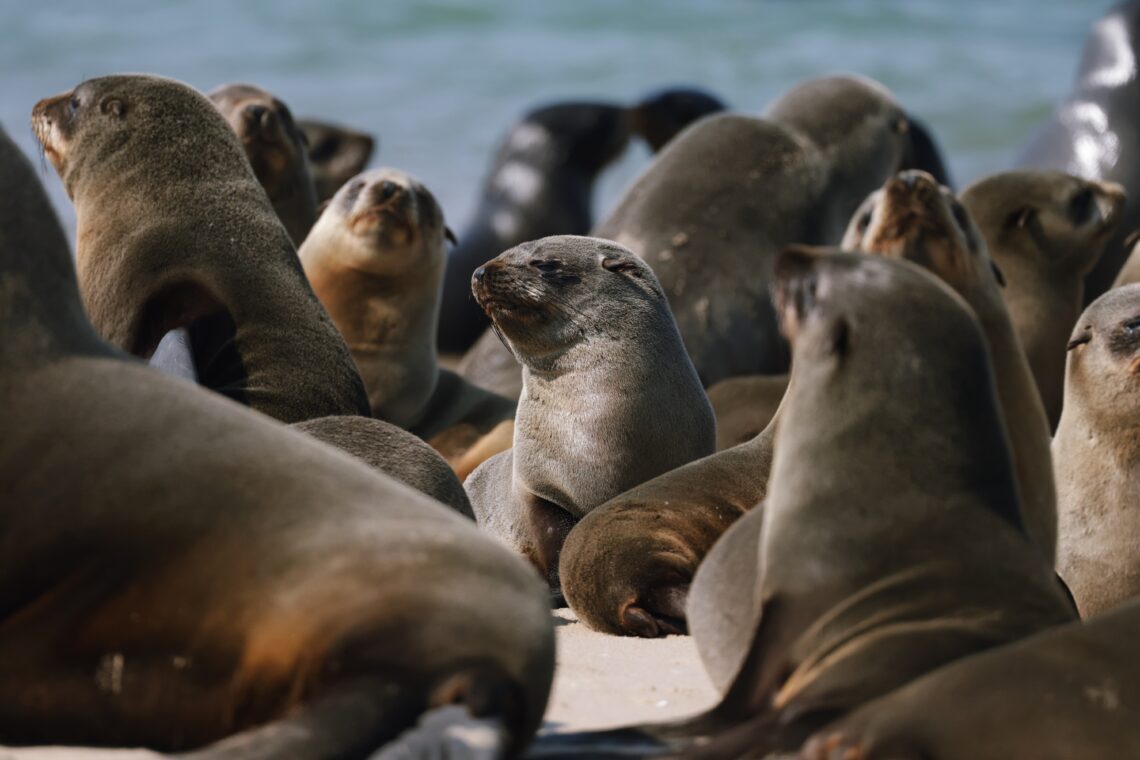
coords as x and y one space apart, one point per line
276 150
609 399
168 589
376 259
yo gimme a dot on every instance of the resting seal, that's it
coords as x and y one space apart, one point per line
712 211
1093 133
1069 693
336 154
914 218
276 150
1097 455
1045 230
609 398
883 554
175 232
168 591
661 115
540 183
375 259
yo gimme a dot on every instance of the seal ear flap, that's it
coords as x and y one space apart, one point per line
449 235
1021 218
998 273
114 107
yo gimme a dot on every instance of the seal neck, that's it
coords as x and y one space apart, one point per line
41 315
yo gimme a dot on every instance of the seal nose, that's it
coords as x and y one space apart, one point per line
478 275
258 114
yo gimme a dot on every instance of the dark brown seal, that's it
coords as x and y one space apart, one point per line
610 400
175 569
276 149
1045 230
336 154
175 232
376 260
719 202
914 218
1069 693
1097 455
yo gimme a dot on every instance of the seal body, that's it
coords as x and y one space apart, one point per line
275 147
1045 230
609 398
336 154
376 259
175 232
1092 133
1097 455
540 183
913 218
871 575
1073 686
718 203
170 590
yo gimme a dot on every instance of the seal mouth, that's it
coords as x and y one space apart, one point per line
43 129
504 297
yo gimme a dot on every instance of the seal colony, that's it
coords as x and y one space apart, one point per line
864 526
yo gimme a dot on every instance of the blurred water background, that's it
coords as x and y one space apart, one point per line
439 82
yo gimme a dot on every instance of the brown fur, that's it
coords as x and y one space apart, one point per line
1045 231
276 150
914 219
375 259
174 228
1097 455
336 154
1069 693
744 406
175 568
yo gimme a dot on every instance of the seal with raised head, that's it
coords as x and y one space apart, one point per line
175 232
883 554
1045 230
375 259
715 207
168 590
1093 132
610 399
336 154
661 115
1097 455
1068 693
912 217
540 183
277 151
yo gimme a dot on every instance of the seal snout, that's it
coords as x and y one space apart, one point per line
795 287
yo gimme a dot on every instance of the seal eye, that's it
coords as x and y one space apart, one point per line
545 265
864 221
74 104
960 217
1081 206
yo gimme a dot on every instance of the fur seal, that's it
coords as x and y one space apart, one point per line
609 397
659 116
883 554
1045 230
1097 455
744 406
912 217
276 150
175 232
168 591
1068 693
540 183
712 211
336 154
375 259
1093 132
628 566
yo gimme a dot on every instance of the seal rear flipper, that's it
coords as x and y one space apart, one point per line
174 357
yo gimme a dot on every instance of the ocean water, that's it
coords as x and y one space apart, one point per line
440 81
